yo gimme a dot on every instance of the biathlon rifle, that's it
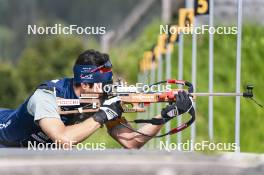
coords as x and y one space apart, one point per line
133 100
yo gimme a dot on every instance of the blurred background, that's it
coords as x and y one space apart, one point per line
132 28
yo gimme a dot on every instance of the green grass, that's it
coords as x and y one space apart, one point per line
126 57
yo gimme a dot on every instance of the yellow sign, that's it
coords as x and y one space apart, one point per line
201 7
173 37
147 59
174 34
186 17
160 48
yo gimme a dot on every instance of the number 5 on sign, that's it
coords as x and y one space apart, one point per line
201 7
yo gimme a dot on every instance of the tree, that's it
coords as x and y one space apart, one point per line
48 58
11 87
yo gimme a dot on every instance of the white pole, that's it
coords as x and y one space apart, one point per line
140 79
166 6
159 78
194 61
211 72
168 76
188 3
152 107
146 81
238 73
180 77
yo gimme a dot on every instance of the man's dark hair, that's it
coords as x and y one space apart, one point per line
91 57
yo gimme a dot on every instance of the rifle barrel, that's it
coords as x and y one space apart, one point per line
217 94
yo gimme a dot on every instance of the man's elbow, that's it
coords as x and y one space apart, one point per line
134 145
64 141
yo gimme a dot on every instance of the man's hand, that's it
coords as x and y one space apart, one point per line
183 104
110 109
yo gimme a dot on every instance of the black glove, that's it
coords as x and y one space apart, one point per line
110 110
183 104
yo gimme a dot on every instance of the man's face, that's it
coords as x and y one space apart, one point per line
91 88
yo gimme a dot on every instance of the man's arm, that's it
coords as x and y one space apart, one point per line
132 140
72 134
42 105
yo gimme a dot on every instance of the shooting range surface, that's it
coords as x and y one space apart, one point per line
129 162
